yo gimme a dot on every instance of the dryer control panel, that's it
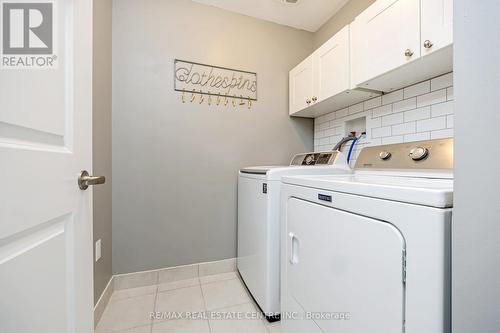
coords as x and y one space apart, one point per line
430 154
320 159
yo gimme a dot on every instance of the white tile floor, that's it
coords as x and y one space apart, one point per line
129 310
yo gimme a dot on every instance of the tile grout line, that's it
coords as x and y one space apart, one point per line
250 301
154 308
166 291
127 329
199 283
206 309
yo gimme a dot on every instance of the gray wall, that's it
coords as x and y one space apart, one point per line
175 165
343 17
101 122
476 225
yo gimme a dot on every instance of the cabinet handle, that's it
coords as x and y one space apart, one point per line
408 53
308 101
314 99
428 44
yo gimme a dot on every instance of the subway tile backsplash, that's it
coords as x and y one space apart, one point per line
419 112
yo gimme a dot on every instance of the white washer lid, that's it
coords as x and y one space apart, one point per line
260 170
434 192
277 172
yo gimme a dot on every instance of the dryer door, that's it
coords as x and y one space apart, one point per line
344 269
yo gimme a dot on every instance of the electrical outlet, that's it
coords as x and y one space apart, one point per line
97 250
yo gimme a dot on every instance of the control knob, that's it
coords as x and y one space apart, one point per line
419 153
384 155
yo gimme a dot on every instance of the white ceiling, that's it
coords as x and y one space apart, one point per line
308 15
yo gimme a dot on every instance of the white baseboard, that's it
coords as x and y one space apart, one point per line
103 300
165 275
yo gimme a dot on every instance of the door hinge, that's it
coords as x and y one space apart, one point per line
404 266
264 188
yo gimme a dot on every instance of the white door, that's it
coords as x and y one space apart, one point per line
301 85
332 66
384 37
45 219
437 25
345 269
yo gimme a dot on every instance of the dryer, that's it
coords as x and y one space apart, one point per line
370 251
259 219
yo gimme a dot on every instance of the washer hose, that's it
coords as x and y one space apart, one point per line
356 139
344 141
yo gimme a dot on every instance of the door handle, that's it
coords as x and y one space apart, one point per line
85 180
294 249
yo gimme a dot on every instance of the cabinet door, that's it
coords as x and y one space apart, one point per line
381 37
437 25
301 85
332 67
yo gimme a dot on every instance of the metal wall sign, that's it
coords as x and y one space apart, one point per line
196 78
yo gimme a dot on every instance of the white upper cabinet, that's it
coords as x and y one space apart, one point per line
390 45
322 83
332 66
392 42
437 25
385 36
301 83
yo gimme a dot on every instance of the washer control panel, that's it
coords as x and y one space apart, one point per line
319 159
432 154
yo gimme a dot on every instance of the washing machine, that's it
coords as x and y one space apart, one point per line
370 251
259 222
